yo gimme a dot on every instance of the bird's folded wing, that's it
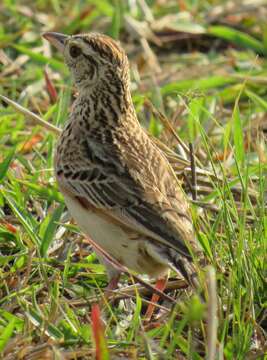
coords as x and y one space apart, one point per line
147 211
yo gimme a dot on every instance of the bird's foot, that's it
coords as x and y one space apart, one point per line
112 285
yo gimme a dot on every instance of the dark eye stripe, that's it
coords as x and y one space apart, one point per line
91 59
105 53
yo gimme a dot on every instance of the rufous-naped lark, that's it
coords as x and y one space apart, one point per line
117 183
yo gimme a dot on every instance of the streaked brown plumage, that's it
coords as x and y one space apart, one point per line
117 184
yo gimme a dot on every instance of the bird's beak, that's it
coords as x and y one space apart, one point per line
56 39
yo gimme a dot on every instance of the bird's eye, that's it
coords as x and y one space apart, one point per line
75 51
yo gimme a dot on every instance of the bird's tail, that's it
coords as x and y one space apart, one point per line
187 268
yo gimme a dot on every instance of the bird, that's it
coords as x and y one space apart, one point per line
117 184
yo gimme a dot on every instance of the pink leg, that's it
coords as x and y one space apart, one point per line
160 285
112 285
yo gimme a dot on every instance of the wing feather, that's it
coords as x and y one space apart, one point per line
122 182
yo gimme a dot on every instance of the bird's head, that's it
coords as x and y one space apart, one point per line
95 61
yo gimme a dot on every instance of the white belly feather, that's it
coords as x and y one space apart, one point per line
109 236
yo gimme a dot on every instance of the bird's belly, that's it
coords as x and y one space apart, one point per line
114 240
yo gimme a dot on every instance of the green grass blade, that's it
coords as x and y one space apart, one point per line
63 107
49 228
258 100
208 83
7 333
103 7
6 163
38 321
136 318
238 136
23 218
238 38
39 58
47 192
116 20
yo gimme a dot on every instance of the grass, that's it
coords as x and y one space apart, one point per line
212 88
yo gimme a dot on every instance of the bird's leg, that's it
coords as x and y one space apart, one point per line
112 285
113 273
160 285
